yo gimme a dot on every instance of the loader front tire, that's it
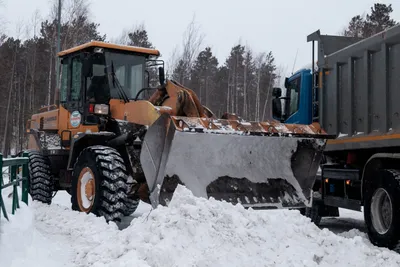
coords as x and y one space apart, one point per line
131 206
40 177
132 200
99 183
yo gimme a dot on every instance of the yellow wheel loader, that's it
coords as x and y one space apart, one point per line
111 140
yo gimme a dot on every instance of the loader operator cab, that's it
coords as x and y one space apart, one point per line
94 73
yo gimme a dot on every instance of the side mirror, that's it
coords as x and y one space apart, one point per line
87 67
277 109
276 92
286 82
161 75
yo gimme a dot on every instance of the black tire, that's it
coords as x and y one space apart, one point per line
110 183
383 232
40 177
131 206
313 213
131 201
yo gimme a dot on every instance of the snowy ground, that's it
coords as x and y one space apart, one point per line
190 232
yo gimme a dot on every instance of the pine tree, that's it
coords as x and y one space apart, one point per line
203 76
235 65
379 19
355 28
181 73
139 37
373 23
219 103
249 88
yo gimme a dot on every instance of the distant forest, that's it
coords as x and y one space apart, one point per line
242 84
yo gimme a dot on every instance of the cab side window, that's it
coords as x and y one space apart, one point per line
293 91
76 73
64 82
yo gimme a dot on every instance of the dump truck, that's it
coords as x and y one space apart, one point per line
111 140
352 91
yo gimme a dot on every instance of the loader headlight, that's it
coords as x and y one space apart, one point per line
101 109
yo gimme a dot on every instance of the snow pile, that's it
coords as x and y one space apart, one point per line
354 233
15 234
199 232
21 244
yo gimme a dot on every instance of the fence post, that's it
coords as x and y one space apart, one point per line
25 183
15 202
3 207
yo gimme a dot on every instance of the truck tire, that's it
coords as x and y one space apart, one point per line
99 183
40 177
313 213
382 209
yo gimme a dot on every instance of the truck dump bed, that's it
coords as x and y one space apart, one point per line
360 94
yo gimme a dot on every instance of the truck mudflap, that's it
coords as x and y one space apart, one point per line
256 164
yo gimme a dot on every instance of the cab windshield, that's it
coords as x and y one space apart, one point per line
112 70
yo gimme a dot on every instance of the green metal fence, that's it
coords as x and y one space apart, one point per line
14 165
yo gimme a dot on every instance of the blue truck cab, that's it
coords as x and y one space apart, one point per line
297 105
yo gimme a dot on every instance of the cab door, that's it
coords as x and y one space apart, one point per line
74 104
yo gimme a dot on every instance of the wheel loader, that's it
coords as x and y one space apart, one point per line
111 140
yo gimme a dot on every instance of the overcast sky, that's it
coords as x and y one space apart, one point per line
280 26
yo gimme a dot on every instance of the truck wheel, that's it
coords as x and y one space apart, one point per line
40 178
99 183
382 209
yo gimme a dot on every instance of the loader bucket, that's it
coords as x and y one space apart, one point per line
259 165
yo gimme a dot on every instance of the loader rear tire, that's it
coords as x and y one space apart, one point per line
40 177
99 183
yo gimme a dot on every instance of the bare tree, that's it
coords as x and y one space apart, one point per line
260 60
6 138
32 60
191 45
122 39
172 62
192 42
70 10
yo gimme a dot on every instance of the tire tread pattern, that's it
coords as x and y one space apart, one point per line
40 177
114 202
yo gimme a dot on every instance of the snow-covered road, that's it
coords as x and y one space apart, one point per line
190 232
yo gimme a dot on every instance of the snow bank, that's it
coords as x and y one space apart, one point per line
16 234
199 232
21 244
